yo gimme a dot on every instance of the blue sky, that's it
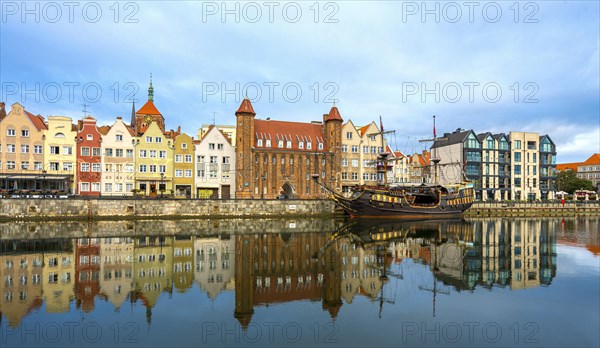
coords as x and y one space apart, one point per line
490 66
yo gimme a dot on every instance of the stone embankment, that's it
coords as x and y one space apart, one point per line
537 209
90 209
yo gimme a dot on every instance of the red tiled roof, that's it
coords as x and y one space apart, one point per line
148 109
246 107
104 129
399 154
130 130
334 115
571 166
294 131
594 159
363 130
38 121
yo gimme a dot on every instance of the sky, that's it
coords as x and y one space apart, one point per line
488 66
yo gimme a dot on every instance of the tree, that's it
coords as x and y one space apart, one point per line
568 181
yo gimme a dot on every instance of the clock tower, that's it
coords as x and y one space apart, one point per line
148 114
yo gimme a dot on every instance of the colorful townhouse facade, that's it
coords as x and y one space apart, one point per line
89 158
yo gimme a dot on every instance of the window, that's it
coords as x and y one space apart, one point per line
68 166
373 149
288 144
179 158
188 158
472 142
11 148
37 149
188 173
85 151
365 149
24 148
129 153
108 187
344 162
301 145
25 165
55 150
531 145
37 166
490 143
178 173
153 168
89 137
84 187
54 166
355 163
118 152
119 137
184 146
320 146
162 154
158 139
348 135
280 144
211 146
10 165
118 187
344 176
143 168
95 186
143 153
258 143
517 169
309 145
220 146
152 154
162 168
517 144
11 132
354 148
148 139
517 157
96 151
85 167
344 148
354 176
95 167
24 132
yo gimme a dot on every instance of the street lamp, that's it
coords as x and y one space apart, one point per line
44 182
162 184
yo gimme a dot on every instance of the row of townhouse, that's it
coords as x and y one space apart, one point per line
55 156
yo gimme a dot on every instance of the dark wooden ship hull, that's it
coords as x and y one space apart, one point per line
406 202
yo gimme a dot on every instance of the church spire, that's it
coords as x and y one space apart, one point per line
150 90
132 124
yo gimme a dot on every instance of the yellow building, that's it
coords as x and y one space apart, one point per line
60 155
183 261
152 270
154 162
21 151
58 279
183 178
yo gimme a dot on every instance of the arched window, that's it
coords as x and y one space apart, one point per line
59 135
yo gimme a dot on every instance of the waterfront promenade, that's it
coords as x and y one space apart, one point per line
533 209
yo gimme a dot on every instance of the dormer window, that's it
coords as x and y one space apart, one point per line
288 144
280 144
320 146
158 139
308 145
301 145
259 143
268 143
119 137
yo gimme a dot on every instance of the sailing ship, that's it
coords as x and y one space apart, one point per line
405 200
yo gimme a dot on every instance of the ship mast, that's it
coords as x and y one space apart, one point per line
383 155
434 157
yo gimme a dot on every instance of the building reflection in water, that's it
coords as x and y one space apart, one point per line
271 268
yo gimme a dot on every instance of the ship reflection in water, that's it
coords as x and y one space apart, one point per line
385 263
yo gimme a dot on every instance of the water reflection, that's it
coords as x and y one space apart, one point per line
333 267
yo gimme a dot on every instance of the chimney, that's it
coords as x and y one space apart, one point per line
119 118
2 111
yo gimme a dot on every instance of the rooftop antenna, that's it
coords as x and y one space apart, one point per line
85 111
214 117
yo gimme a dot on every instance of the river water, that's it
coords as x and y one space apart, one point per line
478 282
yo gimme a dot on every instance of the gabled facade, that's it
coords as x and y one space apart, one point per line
21 150
154 162
183 165
118 160
400 169
215 166
60 154
89 158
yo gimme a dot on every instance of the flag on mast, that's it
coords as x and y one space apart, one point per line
380 123
434 126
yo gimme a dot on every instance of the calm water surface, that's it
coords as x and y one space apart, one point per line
492 282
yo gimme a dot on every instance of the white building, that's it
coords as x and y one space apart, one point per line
117 160
215 166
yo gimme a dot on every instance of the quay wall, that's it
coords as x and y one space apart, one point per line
532 209
74 208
